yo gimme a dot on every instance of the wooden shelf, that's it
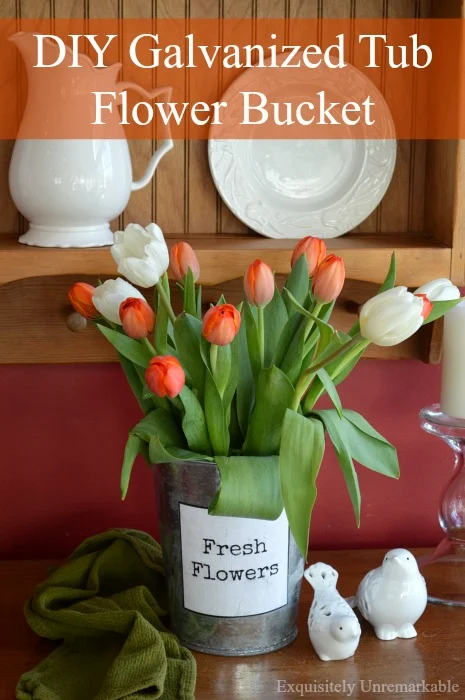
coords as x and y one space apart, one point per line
419 258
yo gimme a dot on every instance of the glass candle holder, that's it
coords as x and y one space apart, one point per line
444 568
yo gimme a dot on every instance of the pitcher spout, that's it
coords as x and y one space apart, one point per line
27 46
39 51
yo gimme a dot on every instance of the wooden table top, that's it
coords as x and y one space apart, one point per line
437 654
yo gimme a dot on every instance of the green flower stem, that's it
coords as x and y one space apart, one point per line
306 378
177 403
165 301
102 321
261 334
214 358
349 357
348 346
334 374
149 346
155 302
316 310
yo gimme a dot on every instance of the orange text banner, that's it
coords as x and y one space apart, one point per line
403 80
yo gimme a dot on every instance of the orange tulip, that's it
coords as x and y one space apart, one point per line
183 257
80 296
165 376
427 305
221 324
315 251
328 279
137 318
259 283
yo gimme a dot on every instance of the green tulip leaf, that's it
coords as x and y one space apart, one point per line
337 370
233 378
249 488
368 447
205 352
198 302
131 349
190 304
285 340
253 341
136 384
194 424
390 280
222 367
159 454
330 389
298 284
343 373
326 331
162 322
292 361
245 393
337 434
297 306
300 457
216 416
276 317
326 311
336 342
188 334
274 395
440 308
338 339
161 423
134 446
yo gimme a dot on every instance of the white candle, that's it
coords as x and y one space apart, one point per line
453 363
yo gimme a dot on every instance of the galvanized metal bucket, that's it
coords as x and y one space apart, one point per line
233 583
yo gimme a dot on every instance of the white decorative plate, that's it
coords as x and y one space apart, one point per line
291 188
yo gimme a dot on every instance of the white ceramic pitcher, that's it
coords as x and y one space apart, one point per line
69 189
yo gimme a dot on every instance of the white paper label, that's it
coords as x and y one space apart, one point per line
233 567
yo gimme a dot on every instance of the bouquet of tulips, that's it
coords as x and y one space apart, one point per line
240 386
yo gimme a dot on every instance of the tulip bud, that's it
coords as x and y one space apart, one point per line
183 257
221 324
137 318
314 250
259 284
439 290
80 296
165 376
141 254
109 296
328 279
393 316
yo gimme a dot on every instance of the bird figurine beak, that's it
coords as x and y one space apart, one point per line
399 562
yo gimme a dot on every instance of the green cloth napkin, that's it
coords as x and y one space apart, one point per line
105 604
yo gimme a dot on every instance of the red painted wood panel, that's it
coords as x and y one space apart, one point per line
63 430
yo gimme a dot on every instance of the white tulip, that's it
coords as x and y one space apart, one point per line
439 290
109 296
393 316
141 254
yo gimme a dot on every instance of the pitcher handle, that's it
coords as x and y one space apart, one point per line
167 144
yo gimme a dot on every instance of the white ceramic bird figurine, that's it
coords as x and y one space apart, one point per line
393 597
332 624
